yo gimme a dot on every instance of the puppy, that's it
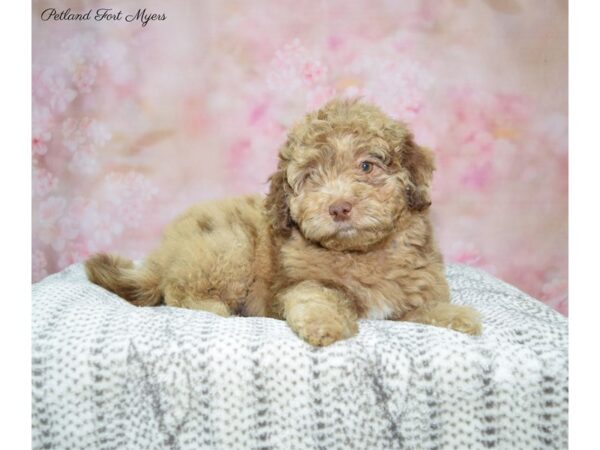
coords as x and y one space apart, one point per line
344 233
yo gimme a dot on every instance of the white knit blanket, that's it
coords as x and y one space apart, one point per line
108 375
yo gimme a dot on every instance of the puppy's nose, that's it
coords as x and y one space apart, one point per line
340 210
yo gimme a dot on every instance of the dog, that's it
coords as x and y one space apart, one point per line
343 233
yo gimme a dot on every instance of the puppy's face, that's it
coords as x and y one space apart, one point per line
345 191
346 174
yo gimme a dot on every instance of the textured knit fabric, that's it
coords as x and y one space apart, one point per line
109 375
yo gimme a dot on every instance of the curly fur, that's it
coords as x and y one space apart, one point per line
286 257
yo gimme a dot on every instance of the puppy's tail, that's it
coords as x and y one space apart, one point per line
139 286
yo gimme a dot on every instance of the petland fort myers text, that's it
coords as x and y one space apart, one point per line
102 15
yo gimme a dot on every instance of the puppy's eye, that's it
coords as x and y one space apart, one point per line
366 166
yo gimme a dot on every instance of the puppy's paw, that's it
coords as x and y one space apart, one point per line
446 315
465 320
321 324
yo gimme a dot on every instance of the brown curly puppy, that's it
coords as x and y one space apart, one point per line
343 234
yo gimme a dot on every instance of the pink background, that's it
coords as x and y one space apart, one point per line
132 124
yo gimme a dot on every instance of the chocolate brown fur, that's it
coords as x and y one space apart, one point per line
286 257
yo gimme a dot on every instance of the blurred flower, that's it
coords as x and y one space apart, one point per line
53 87
99 224
77 50
84 162
39 146
129 196
39 265
40 129
293 67
50 210
43 181
115 56
78 133
83 138
84 78
399 87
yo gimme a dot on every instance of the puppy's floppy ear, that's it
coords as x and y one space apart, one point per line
419 162
277 202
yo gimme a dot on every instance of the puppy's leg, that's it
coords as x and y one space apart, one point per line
213 306
456 317
318 314
182 298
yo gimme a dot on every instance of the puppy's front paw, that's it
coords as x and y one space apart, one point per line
447 315
320 324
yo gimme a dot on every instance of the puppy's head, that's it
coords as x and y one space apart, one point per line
345 176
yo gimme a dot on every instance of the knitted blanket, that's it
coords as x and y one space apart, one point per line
108 375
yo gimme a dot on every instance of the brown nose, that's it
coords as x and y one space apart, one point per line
340 210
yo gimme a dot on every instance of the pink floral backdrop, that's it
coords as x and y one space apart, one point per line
132 123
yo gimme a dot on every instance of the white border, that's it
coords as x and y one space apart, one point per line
584 222
15 204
